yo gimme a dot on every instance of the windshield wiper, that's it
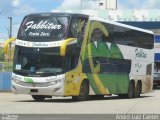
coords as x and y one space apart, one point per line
21 71
46 72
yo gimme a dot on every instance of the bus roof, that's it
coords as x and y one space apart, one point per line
91 18
120 24
55 14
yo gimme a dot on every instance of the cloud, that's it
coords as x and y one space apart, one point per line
89 4
122 4
15 29
6 7
69 4
77 4
15 8
23 10
136 4
152 4
15 3
3 36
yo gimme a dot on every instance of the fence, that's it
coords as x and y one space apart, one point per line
5 81
6 64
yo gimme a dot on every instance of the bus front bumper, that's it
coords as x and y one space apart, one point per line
53 90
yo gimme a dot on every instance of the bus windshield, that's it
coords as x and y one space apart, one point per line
50 28
38 61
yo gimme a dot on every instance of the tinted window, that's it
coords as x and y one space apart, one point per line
108 65
53 28
126 36
77 27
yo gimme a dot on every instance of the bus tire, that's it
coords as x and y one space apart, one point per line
96 97
154 86
84 91
122 95
38 97
130 91
137 90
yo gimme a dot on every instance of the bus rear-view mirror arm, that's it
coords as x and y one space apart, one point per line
6 44
64 46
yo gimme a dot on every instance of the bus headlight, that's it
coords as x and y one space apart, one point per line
53 81
15 80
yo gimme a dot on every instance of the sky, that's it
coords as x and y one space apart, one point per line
19 8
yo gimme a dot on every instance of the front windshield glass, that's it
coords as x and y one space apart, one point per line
50 28
38 61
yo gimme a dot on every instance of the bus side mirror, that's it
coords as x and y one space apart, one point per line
7 43
64 46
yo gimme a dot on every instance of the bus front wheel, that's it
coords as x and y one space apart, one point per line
38 97
84 91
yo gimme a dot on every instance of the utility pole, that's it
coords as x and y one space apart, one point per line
10 35
10 30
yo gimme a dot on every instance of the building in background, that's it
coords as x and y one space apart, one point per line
107 4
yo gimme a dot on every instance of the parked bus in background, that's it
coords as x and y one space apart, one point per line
156 79
64 54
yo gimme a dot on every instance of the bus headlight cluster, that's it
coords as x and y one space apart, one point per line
57 80
54 82
15 80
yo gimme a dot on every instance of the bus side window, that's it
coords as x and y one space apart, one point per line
106 38
77 27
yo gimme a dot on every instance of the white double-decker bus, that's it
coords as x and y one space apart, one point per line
62 54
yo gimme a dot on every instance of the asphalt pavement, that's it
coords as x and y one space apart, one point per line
12 104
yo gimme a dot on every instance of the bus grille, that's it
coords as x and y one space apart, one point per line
33 84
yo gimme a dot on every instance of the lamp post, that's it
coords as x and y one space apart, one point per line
10 35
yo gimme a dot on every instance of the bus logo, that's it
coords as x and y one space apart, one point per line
140 53
41 25
28 80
